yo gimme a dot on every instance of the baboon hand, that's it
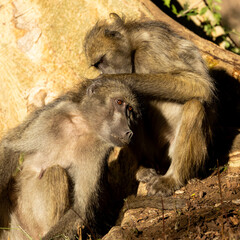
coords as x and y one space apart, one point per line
99 82
156 184
145 174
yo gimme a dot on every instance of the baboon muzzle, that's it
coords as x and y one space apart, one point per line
127 135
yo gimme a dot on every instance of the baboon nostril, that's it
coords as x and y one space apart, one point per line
129 134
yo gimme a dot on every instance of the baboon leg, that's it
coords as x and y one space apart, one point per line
5 210
71 221
46 197
187 151
55 193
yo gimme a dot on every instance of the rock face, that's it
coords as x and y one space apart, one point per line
41 53
41 48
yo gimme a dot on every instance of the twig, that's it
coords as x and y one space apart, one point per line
221 197
28 236
79 232
191 7
189 220
163 221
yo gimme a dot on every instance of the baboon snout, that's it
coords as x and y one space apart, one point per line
127 135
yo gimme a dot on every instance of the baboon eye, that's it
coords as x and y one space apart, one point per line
130 108
119 102
96 65
113 34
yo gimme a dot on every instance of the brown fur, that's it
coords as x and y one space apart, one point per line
62 182
168 72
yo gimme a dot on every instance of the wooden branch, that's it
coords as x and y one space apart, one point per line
226 66
215 56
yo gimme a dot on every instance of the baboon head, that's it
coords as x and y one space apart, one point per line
107 46
112 111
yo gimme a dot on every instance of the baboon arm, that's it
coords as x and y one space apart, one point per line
8 165
179 86
65 226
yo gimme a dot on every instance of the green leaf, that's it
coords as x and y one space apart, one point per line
208 29
217 17
167 3
219 1
236 50
174 10
185 6
209 2
181 13
192 14
217 7
227 44
203 10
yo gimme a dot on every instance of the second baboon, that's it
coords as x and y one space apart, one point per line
171 76
64 146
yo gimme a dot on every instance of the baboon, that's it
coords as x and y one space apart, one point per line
62 184
169 74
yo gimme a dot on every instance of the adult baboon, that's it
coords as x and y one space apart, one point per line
62 182
170 74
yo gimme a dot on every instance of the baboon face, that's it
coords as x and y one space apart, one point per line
108 48
116 126
112 111
108 55
113 62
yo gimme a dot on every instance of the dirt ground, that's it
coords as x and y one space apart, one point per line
212 211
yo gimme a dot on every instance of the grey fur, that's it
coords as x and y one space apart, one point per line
65 146
168 72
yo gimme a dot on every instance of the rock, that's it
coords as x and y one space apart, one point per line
234 220
236 201
234 156
179 192
142 190
202 194
44 40
116 232
217 205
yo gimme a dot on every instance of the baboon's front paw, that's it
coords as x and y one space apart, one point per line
145 174
162 186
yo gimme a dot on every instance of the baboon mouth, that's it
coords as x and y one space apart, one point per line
120 141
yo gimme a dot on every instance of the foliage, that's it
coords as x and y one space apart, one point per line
208 26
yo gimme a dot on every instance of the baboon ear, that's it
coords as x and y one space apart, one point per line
115 23
114 19
92 88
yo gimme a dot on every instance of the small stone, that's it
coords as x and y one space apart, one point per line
234 220
236 201
179 192
202 194
142 189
